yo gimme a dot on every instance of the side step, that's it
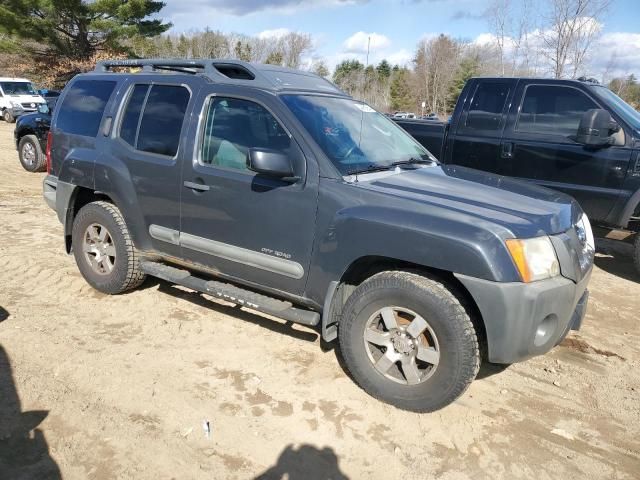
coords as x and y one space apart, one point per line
233 294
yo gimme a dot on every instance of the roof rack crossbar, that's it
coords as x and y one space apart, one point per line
153 64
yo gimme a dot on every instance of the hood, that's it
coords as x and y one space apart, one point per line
26 98
525 209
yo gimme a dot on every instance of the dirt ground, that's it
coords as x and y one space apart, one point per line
98 387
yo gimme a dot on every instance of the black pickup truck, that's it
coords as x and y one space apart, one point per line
575 136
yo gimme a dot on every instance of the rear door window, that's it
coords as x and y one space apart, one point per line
487 106
83 106
552 109
152 120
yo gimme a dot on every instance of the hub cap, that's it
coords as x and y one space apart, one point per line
28 153
401 345
99 249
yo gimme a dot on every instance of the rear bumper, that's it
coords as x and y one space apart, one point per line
523 320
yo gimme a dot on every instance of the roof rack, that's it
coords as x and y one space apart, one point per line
227 71
151 65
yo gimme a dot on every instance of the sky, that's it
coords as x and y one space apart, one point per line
341 28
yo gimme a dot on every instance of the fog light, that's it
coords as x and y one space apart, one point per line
545 330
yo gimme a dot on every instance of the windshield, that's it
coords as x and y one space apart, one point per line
353 135
17 88
622 108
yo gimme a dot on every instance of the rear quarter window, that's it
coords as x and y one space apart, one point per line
81 110
153 117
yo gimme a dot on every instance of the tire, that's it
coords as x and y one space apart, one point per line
445 355
31 155
100 227
8 116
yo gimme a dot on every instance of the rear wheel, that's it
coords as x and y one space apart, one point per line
31 156
408 341
103 249
8 116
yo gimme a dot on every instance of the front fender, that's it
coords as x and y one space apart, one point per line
440 239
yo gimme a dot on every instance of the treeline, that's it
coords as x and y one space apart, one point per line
288 49
52 41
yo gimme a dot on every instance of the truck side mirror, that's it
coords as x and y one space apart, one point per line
596 128
272 163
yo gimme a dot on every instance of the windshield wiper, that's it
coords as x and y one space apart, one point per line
370 168
413 161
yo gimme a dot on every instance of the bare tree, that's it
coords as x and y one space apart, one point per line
436 62
294 46
511 24
574 26
499 15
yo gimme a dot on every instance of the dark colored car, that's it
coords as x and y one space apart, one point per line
272 189
30 136
574 136
51 97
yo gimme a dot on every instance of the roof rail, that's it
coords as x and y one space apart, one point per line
227 71
149 64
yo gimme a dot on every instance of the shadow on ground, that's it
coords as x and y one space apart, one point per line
236 311
24 453
616 257
305 463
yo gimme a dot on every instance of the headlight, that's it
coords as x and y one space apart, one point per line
15 104
535 258
585 234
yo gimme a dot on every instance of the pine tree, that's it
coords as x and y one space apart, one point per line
400 93
275 58
468 68
78 29
384 69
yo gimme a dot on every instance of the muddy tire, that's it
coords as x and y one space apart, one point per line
31 156
8 117
408 341
103 249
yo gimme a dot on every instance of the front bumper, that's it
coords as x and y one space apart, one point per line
523 320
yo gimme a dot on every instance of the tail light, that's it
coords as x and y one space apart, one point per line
48 151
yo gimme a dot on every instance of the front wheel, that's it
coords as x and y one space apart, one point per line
407 340
31 156
8 116
103 249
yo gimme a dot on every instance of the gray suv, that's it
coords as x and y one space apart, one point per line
272 189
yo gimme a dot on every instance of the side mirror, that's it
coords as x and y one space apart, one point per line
596 127
43 108
272 163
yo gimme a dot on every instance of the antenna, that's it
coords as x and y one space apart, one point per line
364 94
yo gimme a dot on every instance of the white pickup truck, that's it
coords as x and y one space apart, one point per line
17 97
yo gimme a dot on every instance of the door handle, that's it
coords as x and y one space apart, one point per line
507 150
197 186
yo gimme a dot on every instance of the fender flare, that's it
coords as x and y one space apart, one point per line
629 208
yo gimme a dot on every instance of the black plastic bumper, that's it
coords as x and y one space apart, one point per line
523 320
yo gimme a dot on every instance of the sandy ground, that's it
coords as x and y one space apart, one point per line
98 387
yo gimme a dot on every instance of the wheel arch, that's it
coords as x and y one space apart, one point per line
80 197
367 266
631 210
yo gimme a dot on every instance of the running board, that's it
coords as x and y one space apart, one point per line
233 294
